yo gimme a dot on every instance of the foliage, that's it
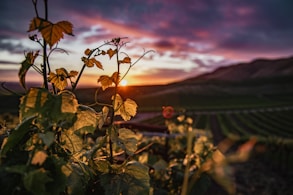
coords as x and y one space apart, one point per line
51 151
63 147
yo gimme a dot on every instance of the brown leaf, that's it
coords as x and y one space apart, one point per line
115 77
73 73
105 81
87 51
126 60
111 52
52 33
91 62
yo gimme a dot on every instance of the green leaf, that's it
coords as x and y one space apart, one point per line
127 140
126 109
76 183
102 166
137 178
72 142
17 135
47 138
49 108
131 180
20 169
34 102
36 180
86 122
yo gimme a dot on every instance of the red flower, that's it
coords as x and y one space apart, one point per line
168 112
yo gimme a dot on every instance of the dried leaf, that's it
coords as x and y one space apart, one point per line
25 65
87 52
126 60
111 52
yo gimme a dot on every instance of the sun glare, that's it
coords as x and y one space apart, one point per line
123 83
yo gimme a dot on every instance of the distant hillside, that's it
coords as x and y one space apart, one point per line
258 69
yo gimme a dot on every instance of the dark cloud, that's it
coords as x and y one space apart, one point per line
17 48
234 28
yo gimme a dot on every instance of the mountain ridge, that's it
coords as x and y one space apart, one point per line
256 69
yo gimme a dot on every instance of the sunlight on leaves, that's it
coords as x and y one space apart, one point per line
60 78
126 60
91 62
105 81
48 107
126 109
115 77
72 142
102 116
87 120
33 102
111 52
87 52
52 33
69 103
39 158
25 65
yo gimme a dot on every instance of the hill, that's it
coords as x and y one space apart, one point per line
260 82
257 69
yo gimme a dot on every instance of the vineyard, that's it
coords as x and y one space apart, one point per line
198 136
269 126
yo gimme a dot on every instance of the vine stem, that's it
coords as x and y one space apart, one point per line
188 153
45 64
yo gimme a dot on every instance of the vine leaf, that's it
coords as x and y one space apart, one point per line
36 180
17 135
87 120
48 107
126 60
72 142
111 52
91 62
25 65
115 77
107 81
39 158
140 182
52 33
60 78
127 140
132 178
126 109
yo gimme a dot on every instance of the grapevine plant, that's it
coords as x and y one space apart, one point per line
63 147
50 150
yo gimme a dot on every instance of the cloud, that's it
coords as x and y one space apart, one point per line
235 30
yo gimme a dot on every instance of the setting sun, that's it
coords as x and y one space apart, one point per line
123 83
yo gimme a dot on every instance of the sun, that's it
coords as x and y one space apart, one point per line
123 83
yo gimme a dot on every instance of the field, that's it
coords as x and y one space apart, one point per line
238 116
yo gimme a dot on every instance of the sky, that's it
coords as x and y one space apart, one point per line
188 37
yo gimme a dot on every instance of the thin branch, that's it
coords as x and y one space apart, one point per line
35 2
